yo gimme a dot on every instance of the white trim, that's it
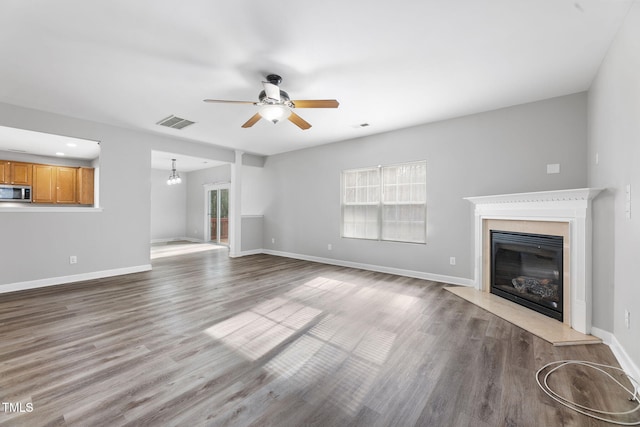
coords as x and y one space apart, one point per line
605 336
246 253
235 206
41 283
177 239
39 209
380 269
630 368
584 194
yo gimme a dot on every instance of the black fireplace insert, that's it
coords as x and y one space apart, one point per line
527 269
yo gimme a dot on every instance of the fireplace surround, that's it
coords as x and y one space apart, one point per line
565 213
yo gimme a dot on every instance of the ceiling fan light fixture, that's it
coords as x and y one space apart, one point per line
275 105
275 113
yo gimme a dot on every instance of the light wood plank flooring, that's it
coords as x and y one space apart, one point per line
204 339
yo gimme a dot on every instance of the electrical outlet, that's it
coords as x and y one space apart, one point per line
627 319
452 260
329 247
553 168
273 240
73 259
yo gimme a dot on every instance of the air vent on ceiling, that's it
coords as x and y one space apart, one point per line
175 122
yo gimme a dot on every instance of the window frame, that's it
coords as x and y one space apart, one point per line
381 203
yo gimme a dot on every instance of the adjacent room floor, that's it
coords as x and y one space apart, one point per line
204 339
182 247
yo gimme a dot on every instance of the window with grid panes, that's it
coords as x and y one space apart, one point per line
385 203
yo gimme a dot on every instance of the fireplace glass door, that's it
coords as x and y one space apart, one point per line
527 269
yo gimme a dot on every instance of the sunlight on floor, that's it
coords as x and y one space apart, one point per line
339 345
181 248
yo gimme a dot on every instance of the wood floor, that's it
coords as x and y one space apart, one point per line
204 339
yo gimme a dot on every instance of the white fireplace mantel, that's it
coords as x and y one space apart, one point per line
568 206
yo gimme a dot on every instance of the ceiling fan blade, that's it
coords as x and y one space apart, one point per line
272 91
252 121
229 102
299 121
316 103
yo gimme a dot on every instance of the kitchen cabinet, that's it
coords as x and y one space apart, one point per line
17 173
21 173
51 184
44 184
85 186
66 185
62 185
4 172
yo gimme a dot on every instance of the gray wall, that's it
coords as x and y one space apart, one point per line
254 191
196 208
37 245
168 206
614 137
252 230
503 151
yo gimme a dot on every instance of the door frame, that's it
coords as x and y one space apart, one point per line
207 217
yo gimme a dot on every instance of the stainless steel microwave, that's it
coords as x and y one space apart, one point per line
15 193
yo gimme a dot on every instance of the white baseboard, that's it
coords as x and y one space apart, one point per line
605 336
246 253
380 269
33 284
619 352
177 239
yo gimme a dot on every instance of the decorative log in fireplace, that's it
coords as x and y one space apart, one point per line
527 269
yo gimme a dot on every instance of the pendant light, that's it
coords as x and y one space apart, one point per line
174 178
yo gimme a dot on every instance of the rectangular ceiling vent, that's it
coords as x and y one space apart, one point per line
175 122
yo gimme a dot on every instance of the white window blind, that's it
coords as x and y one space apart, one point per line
361 201
385 203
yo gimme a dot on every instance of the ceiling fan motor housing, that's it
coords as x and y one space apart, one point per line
274 79
284 98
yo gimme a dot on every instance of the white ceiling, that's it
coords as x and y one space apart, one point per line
390 64
162 160
44 144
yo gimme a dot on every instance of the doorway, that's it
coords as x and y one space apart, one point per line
218 214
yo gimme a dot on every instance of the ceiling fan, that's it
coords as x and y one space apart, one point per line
276 105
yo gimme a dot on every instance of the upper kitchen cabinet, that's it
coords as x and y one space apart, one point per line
85 186
63 185
44 184
17 173
66 185
4 172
